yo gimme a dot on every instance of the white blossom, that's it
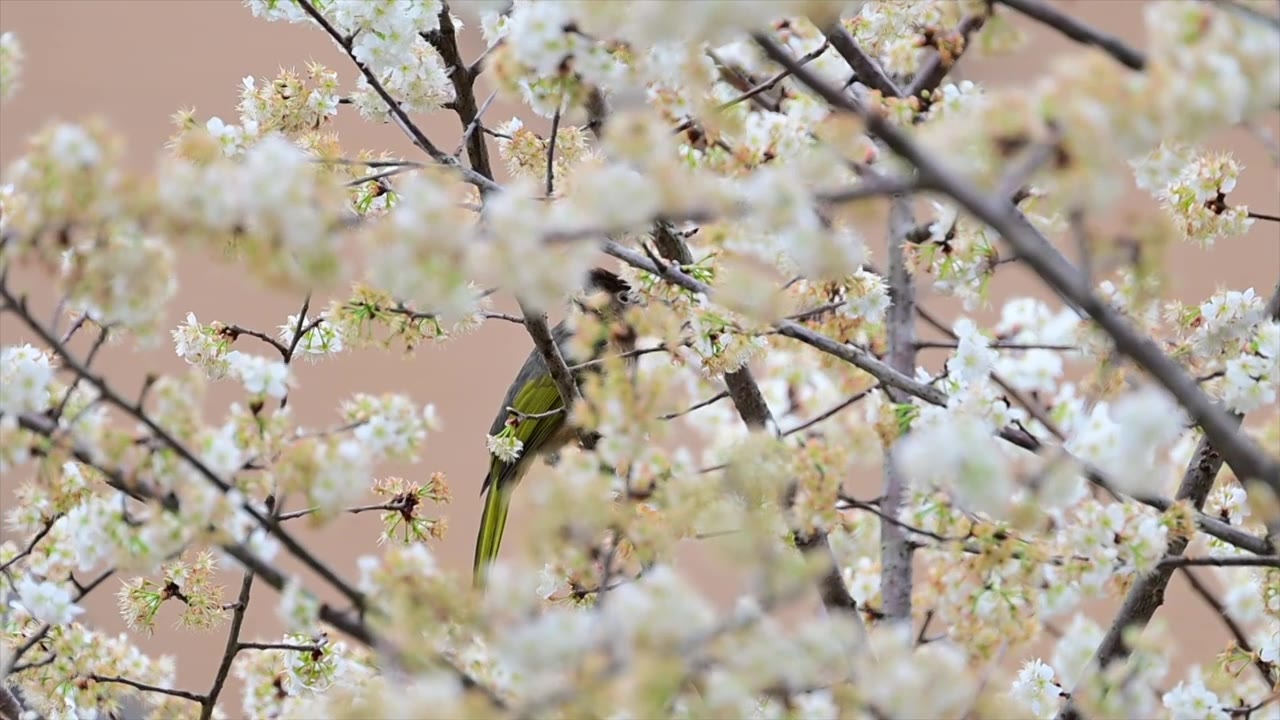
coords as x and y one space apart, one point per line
48 602
25 374
259 375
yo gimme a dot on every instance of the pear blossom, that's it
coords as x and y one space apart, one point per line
259 375
46 601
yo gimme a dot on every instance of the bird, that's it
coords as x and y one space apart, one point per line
539 420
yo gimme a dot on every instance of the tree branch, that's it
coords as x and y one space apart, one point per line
1226 561
864 66
536 324
406 123
464 96
230 650
935 69
184 694
1079 31
895 546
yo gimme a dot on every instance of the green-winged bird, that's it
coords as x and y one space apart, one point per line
539 421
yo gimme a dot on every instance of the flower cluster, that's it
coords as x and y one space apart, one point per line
1197 194
190 583
10 64
274 205
287 104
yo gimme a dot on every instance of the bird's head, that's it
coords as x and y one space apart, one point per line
608 297
607 293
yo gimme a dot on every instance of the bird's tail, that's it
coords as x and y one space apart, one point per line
492 522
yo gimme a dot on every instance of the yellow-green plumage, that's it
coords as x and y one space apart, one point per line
538 395
534 396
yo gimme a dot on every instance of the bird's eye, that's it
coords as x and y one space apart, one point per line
626 297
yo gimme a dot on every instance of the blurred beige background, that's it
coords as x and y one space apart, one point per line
137 61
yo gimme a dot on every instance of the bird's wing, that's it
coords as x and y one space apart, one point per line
537 397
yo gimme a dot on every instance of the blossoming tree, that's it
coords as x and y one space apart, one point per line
729 158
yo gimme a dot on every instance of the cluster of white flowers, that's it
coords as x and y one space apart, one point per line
1125 439
390 425
126 280
10 64
959 455
1193 188
388 37
867 297
1231 339
261 376
504 446
48 602
389 41
319 339
1036 688
287 104
274 201
1193 701
1225 321
231 139
1253 379
203 346
25 375
344 474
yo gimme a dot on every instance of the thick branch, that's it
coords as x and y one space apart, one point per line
935 70
1227 561
895 546
536 324
865 66
464 96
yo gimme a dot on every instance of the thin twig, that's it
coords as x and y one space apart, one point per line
288 647
383 507
551 153
935 69
1264 667
999 345
832 411
40 534
475 123
184 694
696 406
